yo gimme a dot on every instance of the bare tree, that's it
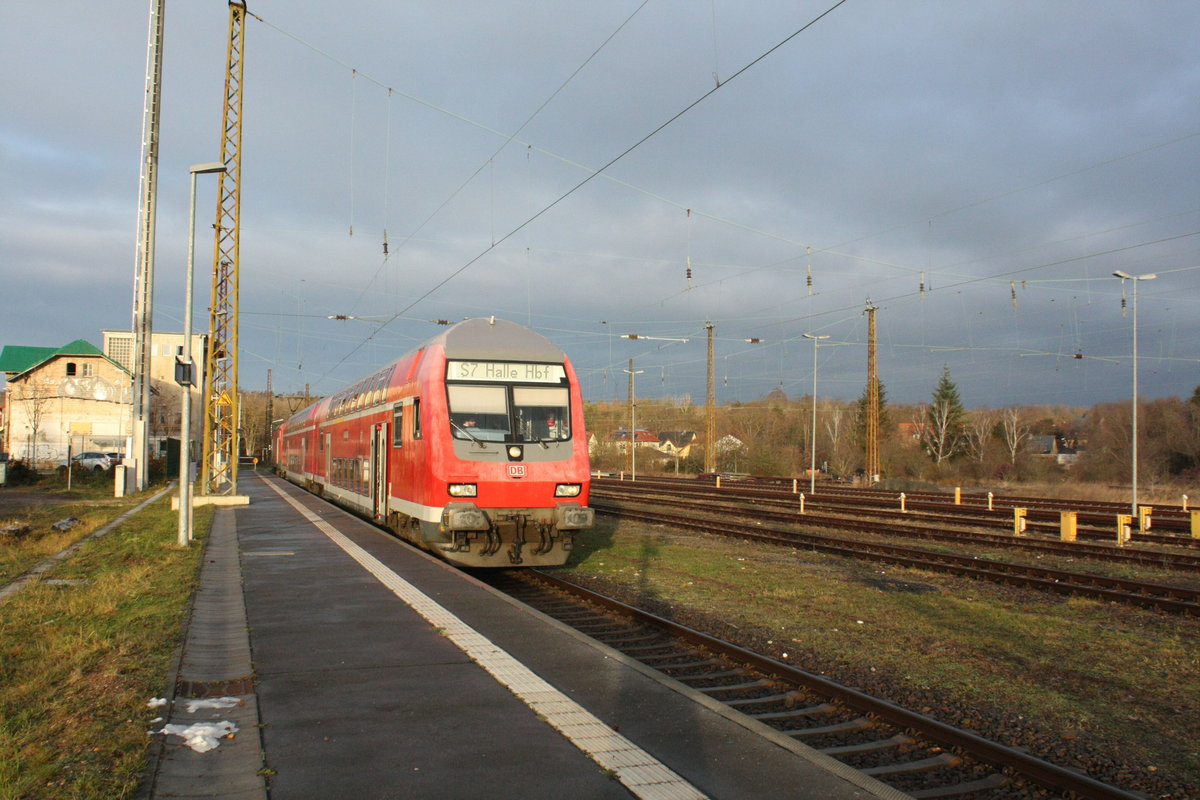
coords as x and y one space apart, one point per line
938 435
841 449
35 398
978 432
1016 431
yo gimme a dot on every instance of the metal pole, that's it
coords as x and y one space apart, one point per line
143 292
1134 409
710 410
185 418
1133 476
812 467
185 422
632 423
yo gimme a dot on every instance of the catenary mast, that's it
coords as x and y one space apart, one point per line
221 434
143 276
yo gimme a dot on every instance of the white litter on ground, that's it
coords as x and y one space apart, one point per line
157 702
215 702
202 736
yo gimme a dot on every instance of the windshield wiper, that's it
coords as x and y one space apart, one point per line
468 434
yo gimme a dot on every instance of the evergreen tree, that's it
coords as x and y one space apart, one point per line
860 416
945 421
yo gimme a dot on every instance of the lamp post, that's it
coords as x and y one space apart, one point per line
1125 276
812 467
632 423
633 400
185 370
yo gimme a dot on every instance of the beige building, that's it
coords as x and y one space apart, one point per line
80 397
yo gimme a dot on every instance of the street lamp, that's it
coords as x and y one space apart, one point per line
1125 276
812 467
632 423
185 369
633 399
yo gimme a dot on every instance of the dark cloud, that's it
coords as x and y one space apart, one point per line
937 158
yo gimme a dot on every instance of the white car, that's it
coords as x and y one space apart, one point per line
92 460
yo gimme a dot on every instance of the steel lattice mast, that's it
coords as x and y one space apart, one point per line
143 277
710 411
220 454
872 460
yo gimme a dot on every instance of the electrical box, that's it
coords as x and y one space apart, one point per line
184 371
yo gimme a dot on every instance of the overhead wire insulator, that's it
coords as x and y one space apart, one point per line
689 248
809 279
1012 289
922 287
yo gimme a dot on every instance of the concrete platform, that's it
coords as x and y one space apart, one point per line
380 672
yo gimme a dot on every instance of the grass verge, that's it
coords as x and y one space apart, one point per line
968 652
79 660
18 555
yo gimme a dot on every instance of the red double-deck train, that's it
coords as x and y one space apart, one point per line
472 446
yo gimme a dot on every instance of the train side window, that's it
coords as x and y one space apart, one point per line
398 425
416 418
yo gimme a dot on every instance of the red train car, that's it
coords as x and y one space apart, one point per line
472 446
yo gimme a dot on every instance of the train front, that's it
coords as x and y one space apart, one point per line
515 462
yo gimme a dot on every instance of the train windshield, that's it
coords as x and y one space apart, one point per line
541 413
479 412
509 413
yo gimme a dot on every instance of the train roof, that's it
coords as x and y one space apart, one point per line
480 339
491 339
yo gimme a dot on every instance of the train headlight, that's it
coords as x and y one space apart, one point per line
567 490
463 490
514 452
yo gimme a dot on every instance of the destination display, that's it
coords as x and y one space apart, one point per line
506 371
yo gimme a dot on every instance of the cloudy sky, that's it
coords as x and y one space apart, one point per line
976 170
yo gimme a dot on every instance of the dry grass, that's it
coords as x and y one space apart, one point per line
17 556
1165 495
79 660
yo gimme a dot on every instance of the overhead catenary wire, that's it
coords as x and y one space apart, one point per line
507 140
662 126
830 250
1108 293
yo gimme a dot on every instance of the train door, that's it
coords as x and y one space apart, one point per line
327 439
379 471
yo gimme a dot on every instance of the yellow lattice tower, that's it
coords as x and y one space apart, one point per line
221 396
872 460
710 411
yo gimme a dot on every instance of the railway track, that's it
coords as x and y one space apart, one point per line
918 526
909 751
1096 520
1162 597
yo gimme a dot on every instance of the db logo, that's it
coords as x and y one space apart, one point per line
516 470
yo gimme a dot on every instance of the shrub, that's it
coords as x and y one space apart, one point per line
20 474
